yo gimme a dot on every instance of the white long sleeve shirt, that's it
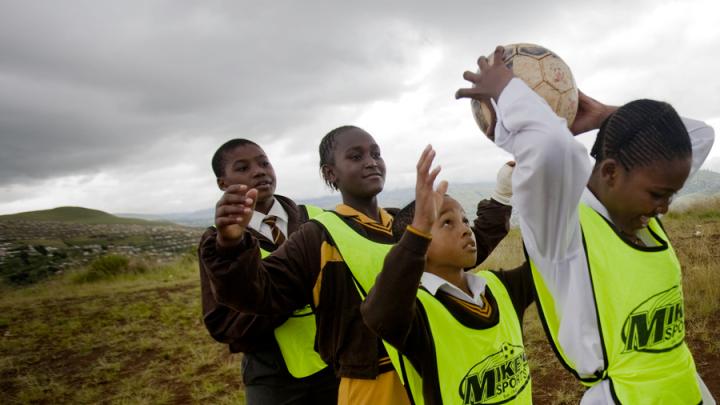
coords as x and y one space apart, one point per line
549 181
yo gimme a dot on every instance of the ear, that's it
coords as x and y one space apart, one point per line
221 183
609 171
328 173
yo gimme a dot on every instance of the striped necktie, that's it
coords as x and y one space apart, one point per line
278 237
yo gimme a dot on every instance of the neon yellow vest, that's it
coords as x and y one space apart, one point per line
296 336
365 260
363 257
639 302
479 366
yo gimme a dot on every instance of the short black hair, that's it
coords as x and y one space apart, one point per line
218 159
402 219
640 133
327 147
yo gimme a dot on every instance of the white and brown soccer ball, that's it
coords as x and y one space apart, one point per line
544 72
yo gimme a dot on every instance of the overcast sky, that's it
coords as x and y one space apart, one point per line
120 105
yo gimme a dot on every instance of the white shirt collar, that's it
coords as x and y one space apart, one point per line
282 222
433 283
591 201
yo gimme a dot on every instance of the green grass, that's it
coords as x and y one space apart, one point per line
131 338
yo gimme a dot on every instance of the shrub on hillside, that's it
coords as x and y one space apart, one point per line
109 266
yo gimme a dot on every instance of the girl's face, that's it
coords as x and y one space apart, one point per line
635 196
358 169
453 242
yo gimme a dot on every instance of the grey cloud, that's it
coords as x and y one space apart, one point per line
83 85
87 85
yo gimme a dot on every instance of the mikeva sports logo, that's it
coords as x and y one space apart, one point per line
656 325
498 378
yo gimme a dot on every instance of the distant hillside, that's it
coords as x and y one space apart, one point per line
200 218
77 215
468 194
704 182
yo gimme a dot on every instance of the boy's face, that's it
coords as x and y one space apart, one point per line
358 169
248 165
637 195
453 242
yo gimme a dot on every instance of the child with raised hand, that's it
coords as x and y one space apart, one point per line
317 265
454 329
607 279
279 364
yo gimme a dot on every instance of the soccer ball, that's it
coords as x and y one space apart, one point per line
544 72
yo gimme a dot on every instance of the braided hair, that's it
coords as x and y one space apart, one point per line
219 159
642 132
327 148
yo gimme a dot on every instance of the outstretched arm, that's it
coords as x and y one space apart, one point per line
276 285
702 137
390 308
242 331
552 168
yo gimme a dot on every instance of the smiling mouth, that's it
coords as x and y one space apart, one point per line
263 184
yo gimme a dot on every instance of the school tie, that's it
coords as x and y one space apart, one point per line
278 237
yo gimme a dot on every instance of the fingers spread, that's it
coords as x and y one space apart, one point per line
471 76
465 93
499 55
482 62
442 188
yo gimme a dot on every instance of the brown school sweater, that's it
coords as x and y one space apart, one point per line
308 269
244 332
392 309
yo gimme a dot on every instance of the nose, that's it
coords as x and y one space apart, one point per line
258 171
370 162
663 207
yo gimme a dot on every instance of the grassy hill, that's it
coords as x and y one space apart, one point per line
78 215
38 244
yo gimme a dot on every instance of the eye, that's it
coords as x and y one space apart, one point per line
355 157
242 168
465 221
375 154
264 163
447 222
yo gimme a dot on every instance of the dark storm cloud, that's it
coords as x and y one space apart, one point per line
85 84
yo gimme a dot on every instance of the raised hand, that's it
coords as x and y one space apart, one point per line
428 201
233 212
591 114
491 80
